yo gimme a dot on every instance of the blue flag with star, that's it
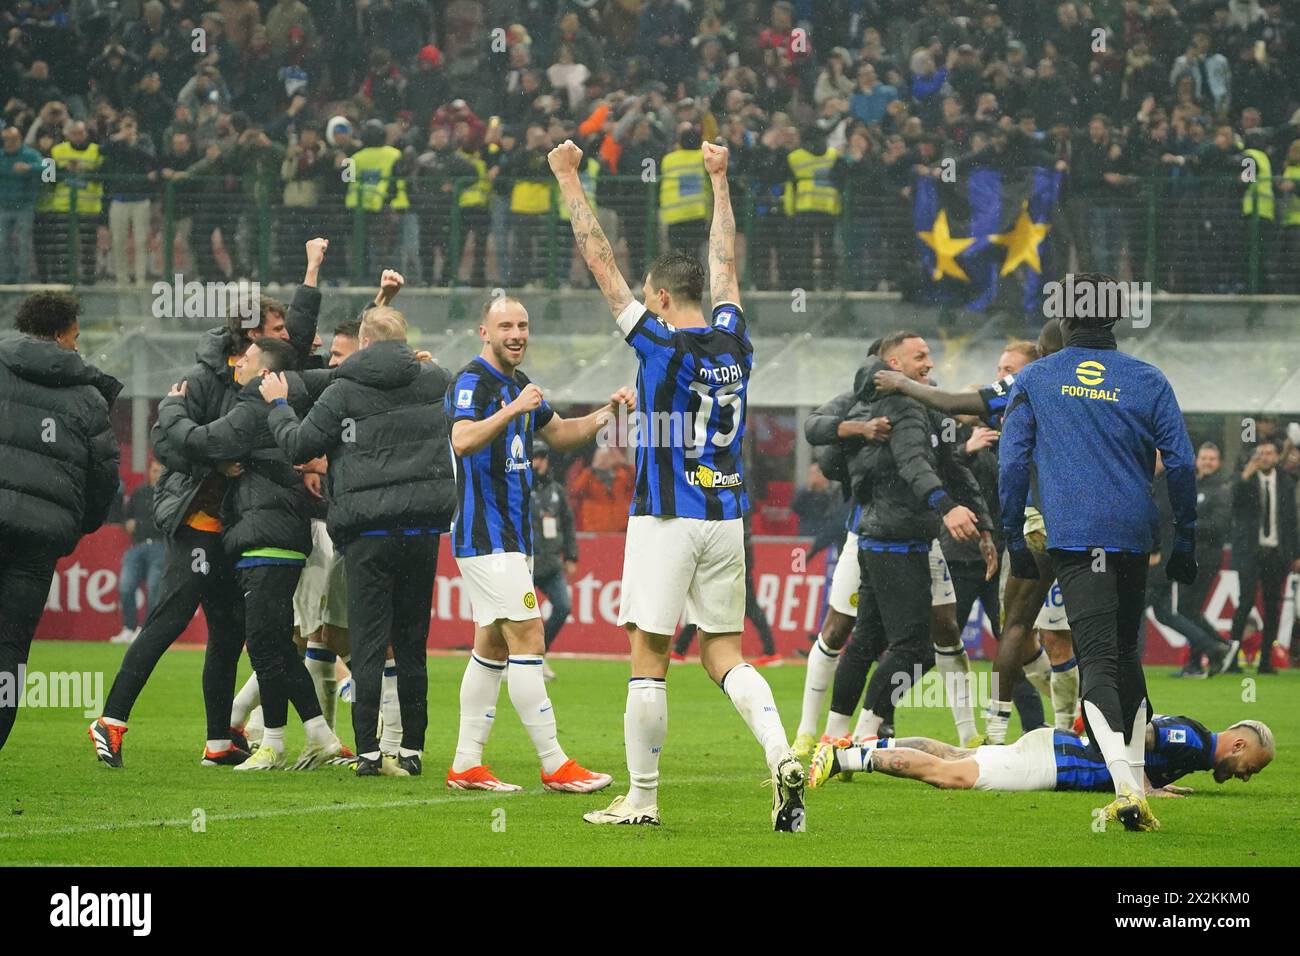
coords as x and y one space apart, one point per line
982 239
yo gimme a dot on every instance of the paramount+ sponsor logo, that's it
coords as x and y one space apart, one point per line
705 477
1091 375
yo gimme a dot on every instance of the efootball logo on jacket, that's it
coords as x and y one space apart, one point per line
518 460
1090 373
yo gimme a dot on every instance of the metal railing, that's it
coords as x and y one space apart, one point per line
1210 240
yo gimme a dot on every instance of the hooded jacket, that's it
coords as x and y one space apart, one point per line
60 454
383 426
210 393
266 506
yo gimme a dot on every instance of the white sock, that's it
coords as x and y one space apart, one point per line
645 725
479 690
1065 692
868 724
1039 673
320 665
1136 749
527 689
752 697
857 758
246 701
837 725
390 709
318 731
113 722
1111 744
996 720
273 737
822 662
953 665
217 746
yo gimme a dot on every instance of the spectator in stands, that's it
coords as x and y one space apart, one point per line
526 169
871 97
142 562
601 493
815 503
426 88
129 172
76 162
20 177
285 17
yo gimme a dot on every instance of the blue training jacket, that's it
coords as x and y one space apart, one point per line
1090 421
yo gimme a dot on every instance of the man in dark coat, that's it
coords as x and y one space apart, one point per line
392 493
60 474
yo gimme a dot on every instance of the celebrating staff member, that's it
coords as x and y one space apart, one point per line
187 504
60 474
1090 419
392 495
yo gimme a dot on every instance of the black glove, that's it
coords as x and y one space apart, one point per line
1181 567
1023 564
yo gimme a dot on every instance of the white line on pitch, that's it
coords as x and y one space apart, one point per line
282 812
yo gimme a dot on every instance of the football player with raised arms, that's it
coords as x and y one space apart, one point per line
494 412
685 539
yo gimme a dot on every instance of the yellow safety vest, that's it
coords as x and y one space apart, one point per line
90 194
812 176
1291 217
374 171
587 176
530 197
685 194
1259 194
477 194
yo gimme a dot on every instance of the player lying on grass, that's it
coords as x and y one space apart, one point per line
1047 759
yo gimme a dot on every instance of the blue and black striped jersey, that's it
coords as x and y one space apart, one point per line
690 420
995 398
494 485
1182 746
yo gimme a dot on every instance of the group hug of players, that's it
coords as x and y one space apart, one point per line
937 492
409 453
263 440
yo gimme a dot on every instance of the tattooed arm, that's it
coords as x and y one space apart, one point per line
724 286
592 242
935 748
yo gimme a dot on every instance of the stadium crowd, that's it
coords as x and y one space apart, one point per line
223 129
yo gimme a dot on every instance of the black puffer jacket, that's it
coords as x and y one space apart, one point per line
915 477
383 426
60 456
210 393
267 505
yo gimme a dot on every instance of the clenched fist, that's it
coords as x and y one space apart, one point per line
530 399
564 159
316 251
715 159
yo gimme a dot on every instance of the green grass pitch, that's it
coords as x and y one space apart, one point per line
58 805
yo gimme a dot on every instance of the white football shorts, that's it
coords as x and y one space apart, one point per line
1027 764
322 593
1051 616
500 587
671 565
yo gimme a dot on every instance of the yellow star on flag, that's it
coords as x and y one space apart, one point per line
1022 242
946 249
